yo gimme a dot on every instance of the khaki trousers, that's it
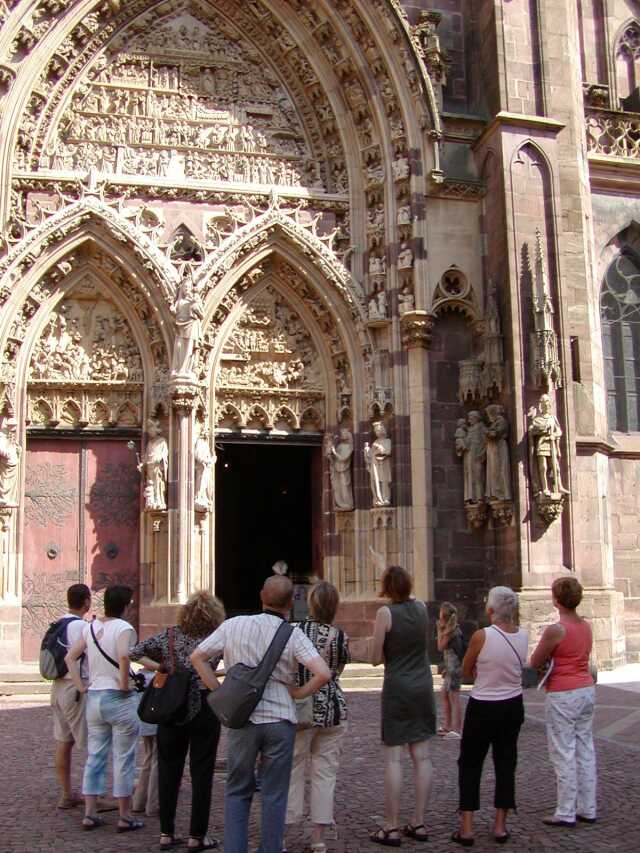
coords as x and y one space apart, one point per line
322 747
145 796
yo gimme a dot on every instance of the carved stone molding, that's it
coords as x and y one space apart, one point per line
550 507
184 396
476 512
417 327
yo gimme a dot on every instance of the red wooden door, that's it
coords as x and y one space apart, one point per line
82 501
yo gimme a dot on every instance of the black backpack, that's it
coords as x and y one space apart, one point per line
53 649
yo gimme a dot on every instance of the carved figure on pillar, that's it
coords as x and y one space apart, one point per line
188 313
155 466
377 457
339 454
10 452
545 452
204 462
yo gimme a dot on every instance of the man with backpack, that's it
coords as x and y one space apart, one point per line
68 705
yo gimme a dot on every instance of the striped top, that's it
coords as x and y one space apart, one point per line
245 639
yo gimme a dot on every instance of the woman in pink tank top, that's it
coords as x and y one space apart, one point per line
570 706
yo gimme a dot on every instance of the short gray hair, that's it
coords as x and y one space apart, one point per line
504 603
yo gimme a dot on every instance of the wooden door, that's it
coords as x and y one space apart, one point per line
82 509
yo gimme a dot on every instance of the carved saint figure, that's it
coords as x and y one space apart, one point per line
544 437
377 457
155 465
10 452
405 257
188 314
498 460
406 300
339 454
472 448
204 462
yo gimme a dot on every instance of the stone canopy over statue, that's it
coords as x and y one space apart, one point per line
377 457
339 453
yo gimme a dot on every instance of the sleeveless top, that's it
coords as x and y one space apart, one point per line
408 707
571 659
499 665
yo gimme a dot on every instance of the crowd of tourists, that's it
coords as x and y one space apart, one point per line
298 718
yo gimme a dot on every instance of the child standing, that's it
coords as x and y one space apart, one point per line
451 643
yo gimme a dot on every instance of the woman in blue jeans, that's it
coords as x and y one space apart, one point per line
112 704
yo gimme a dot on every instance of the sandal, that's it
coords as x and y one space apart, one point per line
502 839
132 824
70 802
94 822
381 836
203 845
442 731
460 839
168 845
412 832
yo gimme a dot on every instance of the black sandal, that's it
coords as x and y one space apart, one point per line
203 845
381 836
132 824
412 832
168 845
95 822
459 839
502 839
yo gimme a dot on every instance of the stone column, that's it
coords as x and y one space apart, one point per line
181 496
416 338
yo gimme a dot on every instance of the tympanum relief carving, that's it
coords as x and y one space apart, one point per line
86 369
184 98
270 368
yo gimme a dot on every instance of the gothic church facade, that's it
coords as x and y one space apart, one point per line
340 283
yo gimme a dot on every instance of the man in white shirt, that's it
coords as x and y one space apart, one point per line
68 705
271 729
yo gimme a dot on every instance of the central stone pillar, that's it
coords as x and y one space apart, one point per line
416 338
181 495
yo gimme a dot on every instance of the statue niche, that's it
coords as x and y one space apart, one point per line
86 368
270 365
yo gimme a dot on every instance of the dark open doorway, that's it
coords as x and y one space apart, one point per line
265 499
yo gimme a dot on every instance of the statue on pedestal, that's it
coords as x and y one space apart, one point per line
544 437
10 452
188 313
339 454
474 455
498 460
155 465
377 457
204 462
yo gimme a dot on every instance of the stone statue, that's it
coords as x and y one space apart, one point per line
10 452
377 457
498 459
204 462
544 448
405 257
155 465
406 300
339 455
188 314
472 448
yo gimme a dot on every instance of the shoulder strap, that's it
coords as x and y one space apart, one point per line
100 649
274 652
513 648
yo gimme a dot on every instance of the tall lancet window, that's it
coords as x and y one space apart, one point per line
620 316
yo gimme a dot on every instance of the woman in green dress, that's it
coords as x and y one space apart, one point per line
408 707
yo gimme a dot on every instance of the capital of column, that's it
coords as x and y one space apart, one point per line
183 395
416 327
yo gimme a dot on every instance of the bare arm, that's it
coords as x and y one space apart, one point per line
148 663
124 662
443 640
320 675
551 637
200 662
470 659
380 629
71 659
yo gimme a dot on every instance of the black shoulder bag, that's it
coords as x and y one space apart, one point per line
166 698
137 677
236 698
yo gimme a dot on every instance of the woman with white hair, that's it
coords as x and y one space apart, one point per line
495 713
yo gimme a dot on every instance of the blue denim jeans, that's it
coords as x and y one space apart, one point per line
274 743
112 719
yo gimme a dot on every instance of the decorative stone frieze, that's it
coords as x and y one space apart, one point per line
417 327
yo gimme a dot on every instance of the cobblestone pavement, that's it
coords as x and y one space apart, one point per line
30 823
